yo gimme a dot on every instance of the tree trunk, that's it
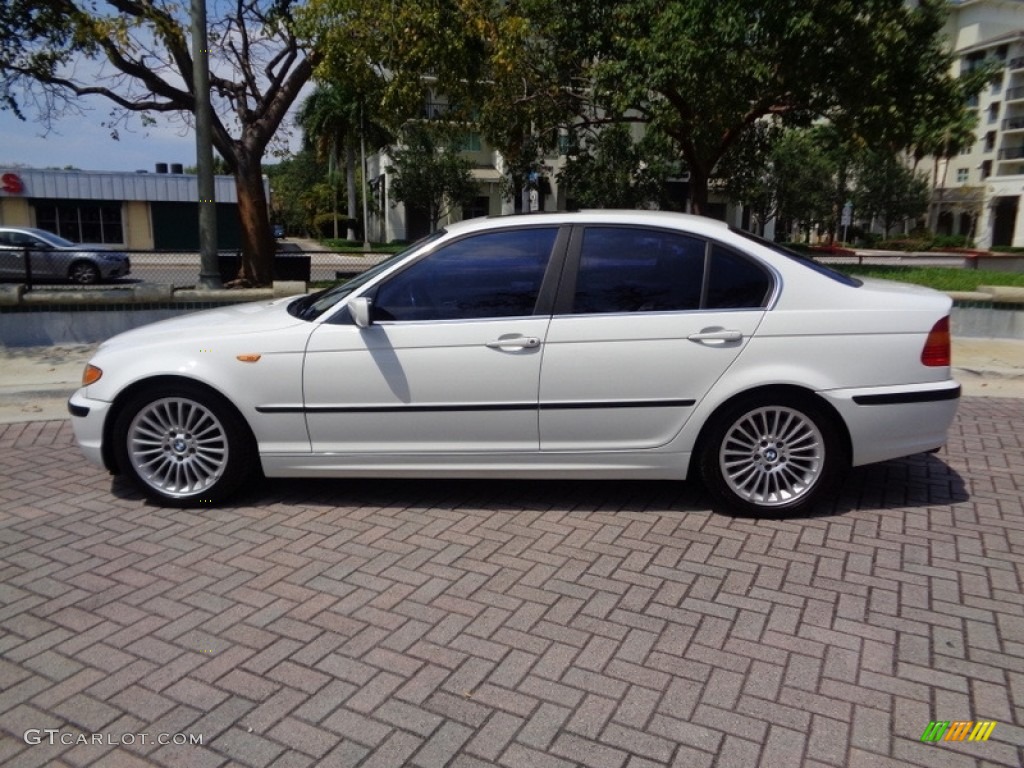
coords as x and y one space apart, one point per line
698 190
257 262
350 174
933 209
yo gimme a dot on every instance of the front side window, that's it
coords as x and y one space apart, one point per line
492 274
21 240
638 270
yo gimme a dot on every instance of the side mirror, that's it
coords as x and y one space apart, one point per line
359 308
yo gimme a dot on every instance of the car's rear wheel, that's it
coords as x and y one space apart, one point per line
773 454
184 446
83 273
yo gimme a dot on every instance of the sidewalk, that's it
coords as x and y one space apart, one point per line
35 382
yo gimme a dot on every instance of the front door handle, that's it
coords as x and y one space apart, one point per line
716 336
514 342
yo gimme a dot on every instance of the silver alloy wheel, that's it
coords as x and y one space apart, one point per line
84 273
177 446
772 456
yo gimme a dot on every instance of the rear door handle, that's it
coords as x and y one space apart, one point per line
716 336
514 342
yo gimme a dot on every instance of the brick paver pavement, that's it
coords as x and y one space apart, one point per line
383 623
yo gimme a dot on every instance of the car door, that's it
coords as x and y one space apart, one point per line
12 255
11 259
451 359
645 323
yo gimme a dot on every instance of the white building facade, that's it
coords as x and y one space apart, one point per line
979 192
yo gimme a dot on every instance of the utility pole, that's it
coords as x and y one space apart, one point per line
209 270
362 162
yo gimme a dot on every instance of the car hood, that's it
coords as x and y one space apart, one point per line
236 320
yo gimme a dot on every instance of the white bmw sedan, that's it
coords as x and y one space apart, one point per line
590 345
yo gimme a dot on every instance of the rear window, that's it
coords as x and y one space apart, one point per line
806 261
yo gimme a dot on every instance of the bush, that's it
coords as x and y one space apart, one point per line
324 224
950 241
904 244
1006 249
861 238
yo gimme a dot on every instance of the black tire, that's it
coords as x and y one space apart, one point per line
83 273
772 455
183 445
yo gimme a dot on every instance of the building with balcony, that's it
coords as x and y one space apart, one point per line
392 220
978 193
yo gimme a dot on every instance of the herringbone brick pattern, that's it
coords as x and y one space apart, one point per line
382 623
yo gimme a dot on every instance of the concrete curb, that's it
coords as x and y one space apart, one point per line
144 293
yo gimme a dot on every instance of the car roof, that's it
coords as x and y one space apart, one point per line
30 230
671 219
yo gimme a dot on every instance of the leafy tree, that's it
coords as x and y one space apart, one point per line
429 173
746 173
887 189
804 174
613 170
135 54
704 71
701 72
496 63
297 191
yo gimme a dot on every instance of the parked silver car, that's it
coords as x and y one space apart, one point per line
54 258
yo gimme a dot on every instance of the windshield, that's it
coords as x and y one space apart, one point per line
807 261
315 304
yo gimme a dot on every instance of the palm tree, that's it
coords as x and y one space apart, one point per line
943 141
329 119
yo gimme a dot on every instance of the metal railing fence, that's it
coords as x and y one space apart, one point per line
179 269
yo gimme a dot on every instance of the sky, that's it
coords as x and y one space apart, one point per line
81 142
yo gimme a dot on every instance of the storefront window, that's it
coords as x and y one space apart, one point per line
81 221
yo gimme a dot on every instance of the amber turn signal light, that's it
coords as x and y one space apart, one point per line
91 375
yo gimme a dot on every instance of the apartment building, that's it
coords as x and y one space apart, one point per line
394 220
979 191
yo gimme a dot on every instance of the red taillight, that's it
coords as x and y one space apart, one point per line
936 350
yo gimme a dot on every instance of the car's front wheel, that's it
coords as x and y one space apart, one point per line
83 273
773 454
184 446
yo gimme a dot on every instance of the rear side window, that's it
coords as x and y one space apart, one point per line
629 269
638 270
735 282
806 261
